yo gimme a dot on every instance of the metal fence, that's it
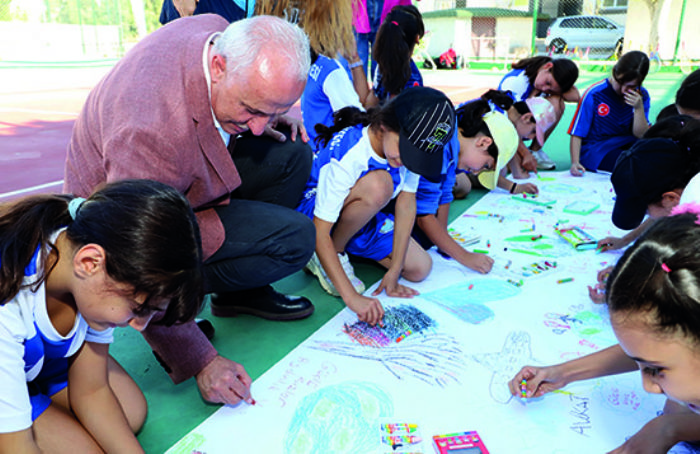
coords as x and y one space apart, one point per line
592 32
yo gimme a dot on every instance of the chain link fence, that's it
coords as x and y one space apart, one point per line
481 32
493 33
70 30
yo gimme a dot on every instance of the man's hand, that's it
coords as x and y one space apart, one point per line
224 381
295 126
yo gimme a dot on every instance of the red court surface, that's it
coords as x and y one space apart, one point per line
39 105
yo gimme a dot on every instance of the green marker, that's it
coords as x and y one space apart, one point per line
481 251
563 281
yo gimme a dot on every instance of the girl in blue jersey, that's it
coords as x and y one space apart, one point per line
398 35
540 76
611 116
485 141
70 271
368 159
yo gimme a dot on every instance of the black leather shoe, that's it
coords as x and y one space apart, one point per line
263 302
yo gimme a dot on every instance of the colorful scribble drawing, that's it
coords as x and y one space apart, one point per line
434 358
338 419
399 323
466 300
506 363
560 188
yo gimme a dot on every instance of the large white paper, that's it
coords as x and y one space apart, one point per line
444 358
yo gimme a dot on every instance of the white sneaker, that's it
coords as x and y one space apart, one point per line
314 267
543 161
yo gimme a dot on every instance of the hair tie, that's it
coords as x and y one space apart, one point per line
395 23
74 206
665 267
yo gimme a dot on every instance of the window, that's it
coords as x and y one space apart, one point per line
613 3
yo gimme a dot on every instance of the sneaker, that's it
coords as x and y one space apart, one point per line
543 161
314 267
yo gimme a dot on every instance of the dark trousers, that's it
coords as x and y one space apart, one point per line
266 238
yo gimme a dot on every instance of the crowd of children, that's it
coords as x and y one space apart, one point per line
389 158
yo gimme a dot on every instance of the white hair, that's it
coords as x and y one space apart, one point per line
245 40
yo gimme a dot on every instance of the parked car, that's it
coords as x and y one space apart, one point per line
596 33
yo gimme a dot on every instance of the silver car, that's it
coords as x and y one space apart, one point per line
589 33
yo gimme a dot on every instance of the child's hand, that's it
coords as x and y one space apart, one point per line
390 284
527 188
577 169
368 310
529 162
540 380
634 99
481 263
597 293
611 243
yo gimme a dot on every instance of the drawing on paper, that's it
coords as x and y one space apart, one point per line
189 444
400 322
560 188
466 300
339 419
506 363
434 358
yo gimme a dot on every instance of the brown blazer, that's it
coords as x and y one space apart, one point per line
150 117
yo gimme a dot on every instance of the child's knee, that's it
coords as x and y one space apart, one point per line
417 270
377 189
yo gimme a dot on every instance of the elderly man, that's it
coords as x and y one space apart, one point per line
172 110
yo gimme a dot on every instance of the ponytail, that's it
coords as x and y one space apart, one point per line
470 122
24 225
394 45
352 116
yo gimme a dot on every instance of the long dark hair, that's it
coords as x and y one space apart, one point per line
634 65
352 116
659 276
470 116
564 71
147 229
392 50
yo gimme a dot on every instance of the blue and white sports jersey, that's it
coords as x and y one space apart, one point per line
415 80
601 113
338 166
517 83
431 195
28 341
328 89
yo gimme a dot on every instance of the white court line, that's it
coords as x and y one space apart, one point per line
51 112
33 188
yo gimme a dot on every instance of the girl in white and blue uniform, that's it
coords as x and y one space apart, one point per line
71 271
483 143
546 77
328 89
611 116
398 35
368 159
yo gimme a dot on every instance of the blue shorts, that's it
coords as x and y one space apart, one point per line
52 379
373 241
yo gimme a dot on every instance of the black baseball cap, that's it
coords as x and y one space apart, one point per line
427 121
642 174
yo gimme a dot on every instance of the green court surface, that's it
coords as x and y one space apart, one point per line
259 344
